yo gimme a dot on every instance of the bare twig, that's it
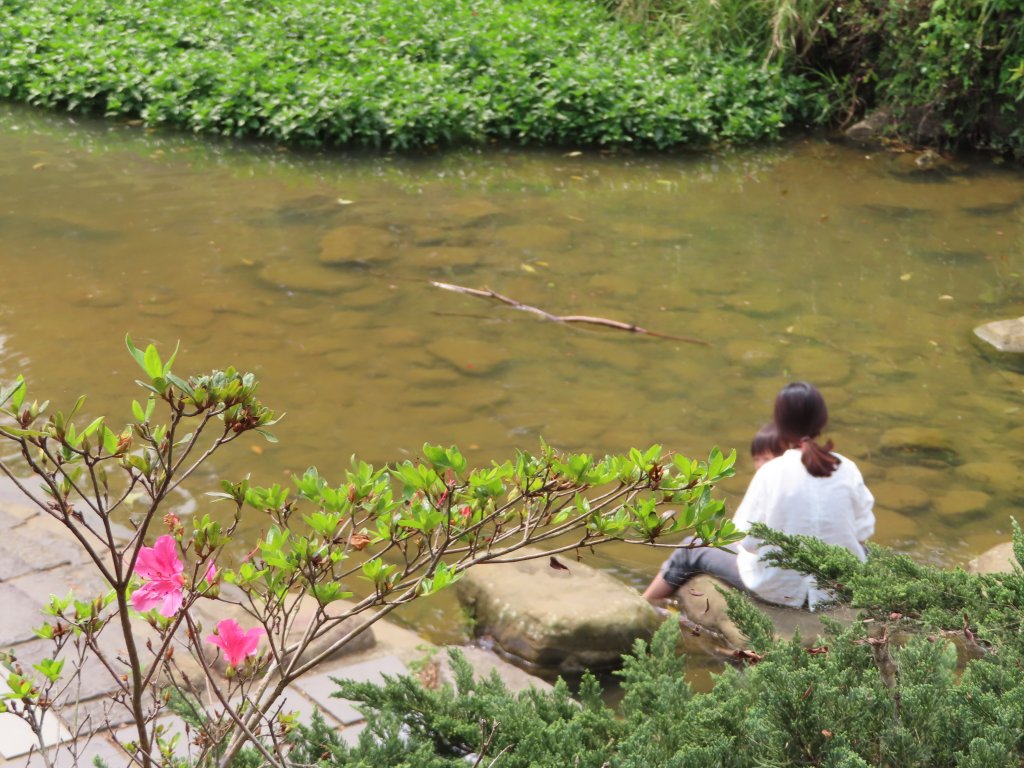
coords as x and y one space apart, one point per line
487 293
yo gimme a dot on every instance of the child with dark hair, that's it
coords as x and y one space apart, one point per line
807 489
766 445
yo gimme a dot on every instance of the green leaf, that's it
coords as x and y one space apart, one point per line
140 358
50 668
92 427
151 363
78 406
137 411
7 393
170 361
268 436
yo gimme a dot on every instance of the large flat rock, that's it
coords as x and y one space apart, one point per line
579 618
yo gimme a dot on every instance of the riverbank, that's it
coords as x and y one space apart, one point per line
393 75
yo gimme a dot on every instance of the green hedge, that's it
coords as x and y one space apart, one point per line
390 73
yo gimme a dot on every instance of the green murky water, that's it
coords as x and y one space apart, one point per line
859 272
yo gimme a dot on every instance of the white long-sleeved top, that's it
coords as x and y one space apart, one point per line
837 509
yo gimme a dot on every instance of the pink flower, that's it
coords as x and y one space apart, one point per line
237 644
211 573
163 584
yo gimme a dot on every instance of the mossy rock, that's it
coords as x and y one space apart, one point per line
1002 341
902 497
469 355
562 618
920 444
891 526
961 502
305 277
357 244
1003 477
704 605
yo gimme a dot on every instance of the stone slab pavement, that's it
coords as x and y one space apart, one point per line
38 557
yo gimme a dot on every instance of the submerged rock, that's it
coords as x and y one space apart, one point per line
902 497
962 501
921 444
356 244
305 277
567 619
469 355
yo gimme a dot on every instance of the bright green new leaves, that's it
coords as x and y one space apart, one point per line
383 575
444 576
442 458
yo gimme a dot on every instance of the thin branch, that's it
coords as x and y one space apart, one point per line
487 293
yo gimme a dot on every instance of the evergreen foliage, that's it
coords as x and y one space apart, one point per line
895 688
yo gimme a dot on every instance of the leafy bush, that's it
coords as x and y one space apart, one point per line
386 73
859 701
916 683
863 699
402 532
949 71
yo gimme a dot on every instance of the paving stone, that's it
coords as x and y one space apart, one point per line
350 733
12 566
294 701
94 680
98 714
15 603
29 542
17 738
319 687
84 582
74 755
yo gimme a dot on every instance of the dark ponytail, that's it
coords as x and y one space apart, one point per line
800 415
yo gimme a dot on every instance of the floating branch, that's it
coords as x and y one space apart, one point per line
487 293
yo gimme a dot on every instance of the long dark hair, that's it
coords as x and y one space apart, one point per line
800 415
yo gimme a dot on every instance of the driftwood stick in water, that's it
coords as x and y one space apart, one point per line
487 293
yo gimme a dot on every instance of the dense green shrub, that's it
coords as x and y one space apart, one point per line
388 73
891 690
949 71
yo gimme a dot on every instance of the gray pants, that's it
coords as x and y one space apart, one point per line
686 563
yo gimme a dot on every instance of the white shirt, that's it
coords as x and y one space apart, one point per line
784 496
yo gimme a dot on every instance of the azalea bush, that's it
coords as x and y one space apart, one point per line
403 532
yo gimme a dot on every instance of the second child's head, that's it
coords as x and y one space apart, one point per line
766 445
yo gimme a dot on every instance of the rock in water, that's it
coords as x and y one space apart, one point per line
1004 335
566 618
705 606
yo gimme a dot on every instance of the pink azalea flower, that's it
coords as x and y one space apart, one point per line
237 644
211 573
163 583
